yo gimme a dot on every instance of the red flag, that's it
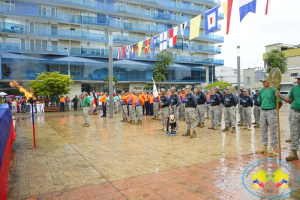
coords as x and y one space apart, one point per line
123 51
267 7
229 8
147 43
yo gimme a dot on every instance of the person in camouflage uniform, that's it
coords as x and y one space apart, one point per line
268 116
218 92
294 118
241 122
175 104
156 107
229 112
201 99
214 109
207 105
182 105
139 108
124 107
190 114
247 103
165 102
256 109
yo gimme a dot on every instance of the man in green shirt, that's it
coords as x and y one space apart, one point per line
294 118
268 116
53 101
86 105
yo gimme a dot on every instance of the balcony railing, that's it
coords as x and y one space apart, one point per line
92 52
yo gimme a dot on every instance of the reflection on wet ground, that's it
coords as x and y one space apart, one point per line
114 160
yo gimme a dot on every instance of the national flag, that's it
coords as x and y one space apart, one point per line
267 6
227 7
133 50
155 93
211 20
154 44
115 90
182 28
128 49
195 27
173 36
95 103
247 6
140 46
147 43
123 51
163 41
119 54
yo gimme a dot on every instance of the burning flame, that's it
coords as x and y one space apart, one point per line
28 95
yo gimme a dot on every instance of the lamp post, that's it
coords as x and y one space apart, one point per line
110 75
69 73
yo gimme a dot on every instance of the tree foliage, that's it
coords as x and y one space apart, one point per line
276 58
106 80
148 87
51 83
160 69
223 85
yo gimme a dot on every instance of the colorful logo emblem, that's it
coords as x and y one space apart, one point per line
270 178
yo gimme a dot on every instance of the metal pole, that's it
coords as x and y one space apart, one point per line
111 90
238 73
69 72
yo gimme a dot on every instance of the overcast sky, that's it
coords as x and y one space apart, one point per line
281 25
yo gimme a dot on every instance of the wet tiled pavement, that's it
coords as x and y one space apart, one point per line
114 160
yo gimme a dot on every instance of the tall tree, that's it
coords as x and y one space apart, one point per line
160 69
51 83
106 80
276 58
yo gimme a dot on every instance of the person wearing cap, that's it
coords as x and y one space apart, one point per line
294 118
201 99
131 102
229 111
247 103
124 102
182 105
195 91
164 102
190 108
256 108
86 108
156 107
143 96
139 108
236 96
214 109
207 105
218 92
103 101
241 122
175 104
268 116
147 105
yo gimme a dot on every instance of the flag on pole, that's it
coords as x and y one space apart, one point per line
163 41
115 90
173 36
140 46
155 93
147 43
182 28
128 49
211 20
95 103
154 44
195 27
247 6
227 7
133 49
119 54
267 6
123 51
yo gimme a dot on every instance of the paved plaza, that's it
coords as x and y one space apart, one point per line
114 160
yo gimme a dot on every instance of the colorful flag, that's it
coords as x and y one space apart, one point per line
247 6
123 51
119 54
95 103
182 28
115 90
211 20
155 93
173 36
128 51
163 41
195 27
140 46
154 44
267 6
133 50
147 43
227 7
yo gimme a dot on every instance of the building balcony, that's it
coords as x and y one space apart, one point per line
94 52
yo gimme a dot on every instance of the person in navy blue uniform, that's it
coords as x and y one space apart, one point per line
190 114
230 112
218 92
247 103
165 102
175 104
214 109
256 109
200 110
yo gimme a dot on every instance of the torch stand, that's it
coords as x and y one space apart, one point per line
33 127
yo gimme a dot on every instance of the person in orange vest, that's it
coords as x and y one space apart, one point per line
139 108
62 104
143 96
131 103
103 100
124 103
151 104
147 105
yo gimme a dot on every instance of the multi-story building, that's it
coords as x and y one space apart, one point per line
57 35
228 74
252 76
